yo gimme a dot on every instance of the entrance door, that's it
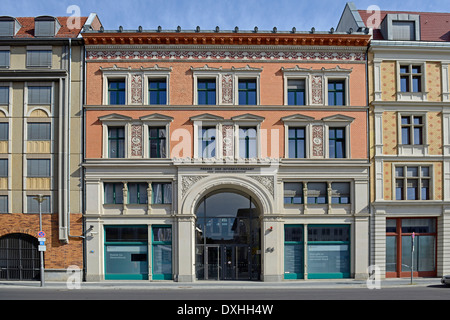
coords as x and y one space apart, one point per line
228 238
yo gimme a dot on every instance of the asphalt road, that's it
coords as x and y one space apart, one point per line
431 292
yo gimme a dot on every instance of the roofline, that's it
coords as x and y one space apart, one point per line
224 38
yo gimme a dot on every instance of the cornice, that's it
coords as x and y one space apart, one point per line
232 39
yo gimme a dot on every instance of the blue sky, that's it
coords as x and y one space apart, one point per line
246 14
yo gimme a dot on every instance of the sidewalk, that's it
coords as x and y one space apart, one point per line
258 285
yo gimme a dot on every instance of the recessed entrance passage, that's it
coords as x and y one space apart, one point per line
228 238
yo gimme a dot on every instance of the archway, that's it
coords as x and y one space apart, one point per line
19 257
228 237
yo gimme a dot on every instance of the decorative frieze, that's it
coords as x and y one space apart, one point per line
224 55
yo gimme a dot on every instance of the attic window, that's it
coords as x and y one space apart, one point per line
403 30
46 27
8 26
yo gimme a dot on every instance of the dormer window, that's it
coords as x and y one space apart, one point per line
46 26
401 26
8 26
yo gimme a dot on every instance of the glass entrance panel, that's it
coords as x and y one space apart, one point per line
213 269
228 237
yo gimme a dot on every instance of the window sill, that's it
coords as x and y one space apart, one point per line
412 96
413 150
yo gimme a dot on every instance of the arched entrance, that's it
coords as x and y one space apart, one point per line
19 257
228 237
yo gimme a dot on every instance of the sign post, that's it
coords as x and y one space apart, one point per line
41 234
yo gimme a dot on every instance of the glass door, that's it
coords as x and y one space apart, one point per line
213 262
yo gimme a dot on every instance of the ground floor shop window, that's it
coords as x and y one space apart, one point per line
327 251
293 252
126 252
162 252
402 251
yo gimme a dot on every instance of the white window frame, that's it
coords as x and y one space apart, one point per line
114 120
115 76
412 96
155 72
207 120
298 121
206 75
297 73
412 149
337 76
337 121
419 165
247 120
155 120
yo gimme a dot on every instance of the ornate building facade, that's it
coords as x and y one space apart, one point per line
226 154
408 83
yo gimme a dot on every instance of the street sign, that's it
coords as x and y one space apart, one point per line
41 234
41 239
42 248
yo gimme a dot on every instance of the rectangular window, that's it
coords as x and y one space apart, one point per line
137 193
44 28
247 142
116 142
317 192
162 193
403 30
412 183
336 92
157 142
4 95
3 168
336 143
162 252
207 142
39 94
113 193
126 252
38 168
297 146
4 58
4 126
247 91
116 91
296 92
412 130
293 252
206 90
157 90
33 204
410 78
340 192
3 204
39 58
7 28
293 192
328 251
38 131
